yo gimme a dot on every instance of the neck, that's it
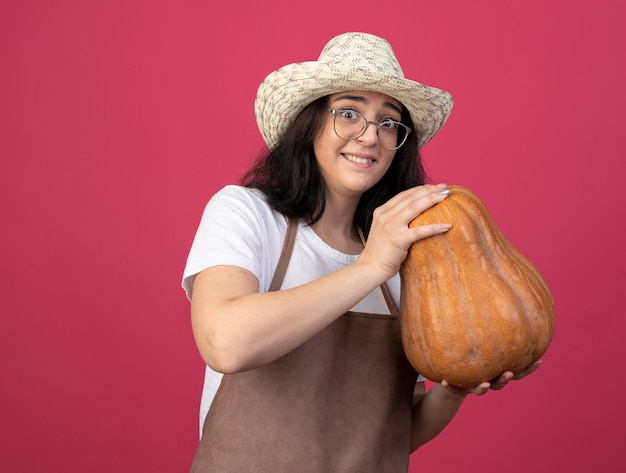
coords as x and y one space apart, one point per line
336 226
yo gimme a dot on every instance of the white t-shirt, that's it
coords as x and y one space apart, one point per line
239 228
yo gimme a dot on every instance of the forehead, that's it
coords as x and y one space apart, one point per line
367 97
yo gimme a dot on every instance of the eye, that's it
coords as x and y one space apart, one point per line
348 115
389 124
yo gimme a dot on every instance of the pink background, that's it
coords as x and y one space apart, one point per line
119 119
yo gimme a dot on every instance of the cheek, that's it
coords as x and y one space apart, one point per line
324 134
325 141
387 158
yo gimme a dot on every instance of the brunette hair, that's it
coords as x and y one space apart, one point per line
290 177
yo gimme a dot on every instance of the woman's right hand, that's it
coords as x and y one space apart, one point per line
390 237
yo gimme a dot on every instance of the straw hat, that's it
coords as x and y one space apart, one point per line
350 61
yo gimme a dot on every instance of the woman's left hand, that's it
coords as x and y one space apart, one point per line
496 384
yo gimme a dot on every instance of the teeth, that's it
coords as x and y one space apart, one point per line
356 159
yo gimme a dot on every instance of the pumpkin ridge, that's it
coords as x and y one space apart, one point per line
540 292
451 331
495 239
474 306
426 332
420 336
490 274
431 293
523 268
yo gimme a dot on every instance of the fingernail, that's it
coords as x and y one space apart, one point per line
444 191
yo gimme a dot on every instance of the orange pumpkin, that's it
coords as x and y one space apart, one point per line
472 305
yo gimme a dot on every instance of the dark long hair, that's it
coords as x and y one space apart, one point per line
291 179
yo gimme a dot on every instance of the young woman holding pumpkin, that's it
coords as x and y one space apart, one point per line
293 278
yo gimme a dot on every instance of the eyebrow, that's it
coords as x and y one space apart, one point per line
359 98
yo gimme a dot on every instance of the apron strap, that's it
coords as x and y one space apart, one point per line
285 255
393 308
391 305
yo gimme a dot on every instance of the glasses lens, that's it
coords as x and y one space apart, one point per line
349 124
392 134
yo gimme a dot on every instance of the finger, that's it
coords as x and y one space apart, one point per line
454 389
394 218
525 372
424 200
501 381
425 231
413 201
416 192
481 389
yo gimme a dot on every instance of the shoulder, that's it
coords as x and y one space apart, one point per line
238 228
243 214
239 192
236 196
240 204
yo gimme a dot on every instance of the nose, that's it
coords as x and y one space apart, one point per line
370 135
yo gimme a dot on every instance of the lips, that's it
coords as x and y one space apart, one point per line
358 159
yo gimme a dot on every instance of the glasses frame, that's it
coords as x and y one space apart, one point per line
367 124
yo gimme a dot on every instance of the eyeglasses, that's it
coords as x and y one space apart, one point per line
350 125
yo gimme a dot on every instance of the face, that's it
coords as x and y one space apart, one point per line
350 168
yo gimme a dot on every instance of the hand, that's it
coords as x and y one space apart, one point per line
496 384
390 236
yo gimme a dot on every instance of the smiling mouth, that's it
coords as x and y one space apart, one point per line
358 160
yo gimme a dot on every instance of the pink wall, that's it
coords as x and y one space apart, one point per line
119 119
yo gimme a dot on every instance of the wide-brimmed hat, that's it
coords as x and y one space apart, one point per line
350 61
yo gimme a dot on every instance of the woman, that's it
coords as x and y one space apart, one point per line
293 279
